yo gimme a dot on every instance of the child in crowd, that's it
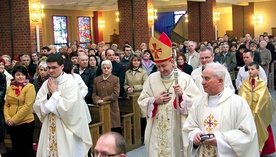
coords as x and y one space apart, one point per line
255 92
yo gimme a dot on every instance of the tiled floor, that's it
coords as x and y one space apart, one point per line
141 151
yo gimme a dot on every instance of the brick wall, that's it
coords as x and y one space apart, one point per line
242 22
23 30
207 25
200 25
136 29
194 21
5 46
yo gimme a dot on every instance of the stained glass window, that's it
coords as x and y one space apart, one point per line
84 30
60 30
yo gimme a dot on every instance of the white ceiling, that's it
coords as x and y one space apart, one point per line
161 5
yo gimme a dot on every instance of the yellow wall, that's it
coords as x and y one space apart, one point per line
267 9
182 28
110 24
224 24
72 24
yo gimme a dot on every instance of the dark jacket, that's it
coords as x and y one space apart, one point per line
271 48
187 68
117 70
88 77
240 61
3 86
229 60
32 69
257 57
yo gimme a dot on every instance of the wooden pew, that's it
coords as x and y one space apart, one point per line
130 115
101 122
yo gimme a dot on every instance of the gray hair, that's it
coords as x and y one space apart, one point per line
82 55
263 42
204 48
107 62
219 70
53 47
193 42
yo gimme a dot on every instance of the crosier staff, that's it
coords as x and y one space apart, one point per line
178 145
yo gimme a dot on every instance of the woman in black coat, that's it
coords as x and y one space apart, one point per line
182 65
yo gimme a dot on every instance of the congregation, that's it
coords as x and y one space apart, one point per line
41 83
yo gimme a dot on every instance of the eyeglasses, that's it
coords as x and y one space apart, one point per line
106 68
96 154
208 57
54 67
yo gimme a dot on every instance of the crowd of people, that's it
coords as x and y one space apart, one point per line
212 89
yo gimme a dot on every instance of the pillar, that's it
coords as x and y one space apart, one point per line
17 31
242 22
200 25
133 26
97 32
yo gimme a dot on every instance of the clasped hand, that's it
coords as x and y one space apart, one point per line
52 86
9 122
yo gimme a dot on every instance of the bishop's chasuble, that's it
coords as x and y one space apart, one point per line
262 107
160 134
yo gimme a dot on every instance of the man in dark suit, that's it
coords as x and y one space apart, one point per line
87 75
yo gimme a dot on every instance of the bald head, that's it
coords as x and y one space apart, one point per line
111 143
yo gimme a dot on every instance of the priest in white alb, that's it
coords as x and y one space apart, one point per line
207 56
225 117
59 106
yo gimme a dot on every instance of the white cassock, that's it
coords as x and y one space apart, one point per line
65 130
160 130
229 117
196 76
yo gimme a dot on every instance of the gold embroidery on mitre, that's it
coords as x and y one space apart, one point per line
155 51
210 123
161 50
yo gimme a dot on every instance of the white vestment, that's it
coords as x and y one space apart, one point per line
160 129
230 120
84 91
196 76
65 130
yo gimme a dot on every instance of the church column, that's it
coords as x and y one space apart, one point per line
97 32
242 22
133 26
200 25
